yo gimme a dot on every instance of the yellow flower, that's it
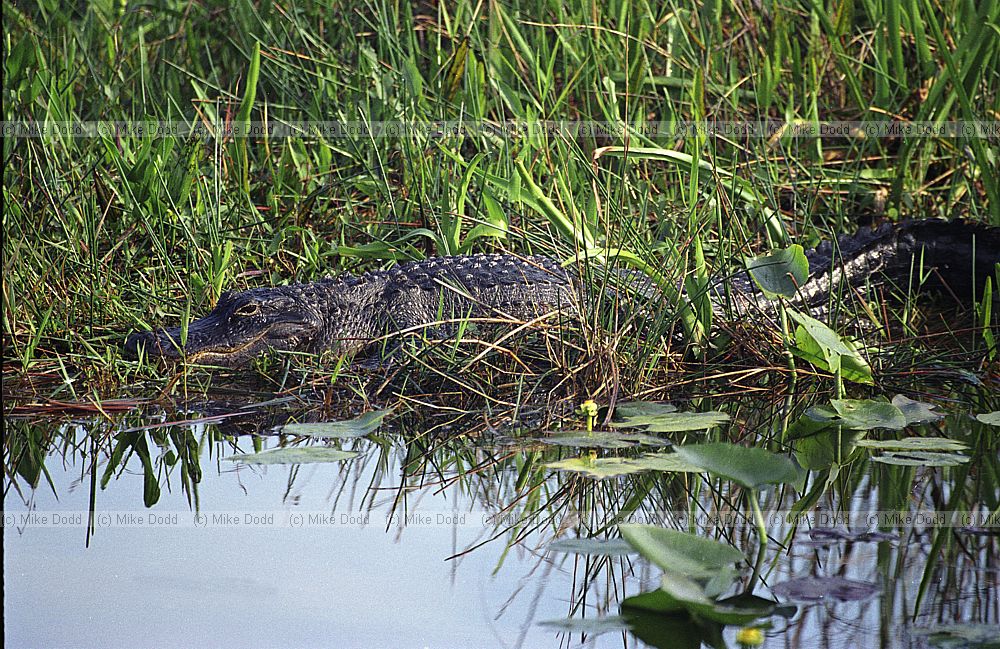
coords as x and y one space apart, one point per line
588 408
750 636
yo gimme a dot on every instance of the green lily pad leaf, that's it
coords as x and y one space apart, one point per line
636 409
678 592
827 350
826 448
674 422
915 444
592 626
915 411
602 439
921 458
665 461
860 414
357 427
600 468
814 589
303 455
964 636
780 273
747 466
675 630
599 547
991 418
679 552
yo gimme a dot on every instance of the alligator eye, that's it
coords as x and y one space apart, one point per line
248 309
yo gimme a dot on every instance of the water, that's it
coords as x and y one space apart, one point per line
408 544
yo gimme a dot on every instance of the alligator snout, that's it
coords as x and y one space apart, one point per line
151 343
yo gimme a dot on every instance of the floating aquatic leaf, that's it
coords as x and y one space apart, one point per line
859 414
991 418
678 592
826 534
748 466
681 553
592 626
357 427
781 272
961 636
814 589
920 458
600 468
602 439
915 411
665 461
303 455
635 409
915 444
674 422
601 547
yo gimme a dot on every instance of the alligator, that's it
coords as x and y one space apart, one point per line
348 314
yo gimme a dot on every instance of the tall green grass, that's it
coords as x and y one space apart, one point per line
118 231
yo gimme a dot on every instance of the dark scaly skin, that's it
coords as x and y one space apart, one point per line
347 314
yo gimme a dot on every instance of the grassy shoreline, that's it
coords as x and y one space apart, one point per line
121 231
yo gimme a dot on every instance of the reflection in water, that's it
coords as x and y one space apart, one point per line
437 533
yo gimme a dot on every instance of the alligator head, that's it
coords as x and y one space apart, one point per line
241 327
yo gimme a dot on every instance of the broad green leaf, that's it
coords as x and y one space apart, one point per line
860 414
915 411
747 466
827 350
781 272
674 422
357 427
600 468
602 439
665 461
681 553
920 458
601 547
635 409
915 444
678 592
990 418
303 455
592 626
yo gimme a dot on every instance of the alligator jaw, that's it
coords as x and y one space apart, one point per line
165 344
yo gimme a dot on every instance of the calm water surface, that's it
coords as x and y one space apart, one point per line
367 553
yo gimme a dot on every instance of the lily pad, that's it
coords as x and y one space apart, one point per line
679 552
599 547
747 466
678 592
781 272
859 414
815 589
991 418
600 468
674 422
916 411
665 461
357 427
592 626
915 444
636 409
920 458
961 636
602 439
303 455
